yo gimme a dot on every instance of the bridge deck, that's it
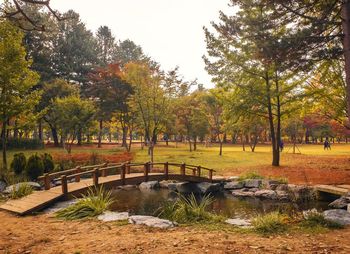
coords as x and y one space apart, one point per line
339 190
39 200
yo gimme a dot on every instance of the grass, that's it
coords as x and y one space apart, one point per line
93 204
23 190
315 220
250 175
271 223
189 210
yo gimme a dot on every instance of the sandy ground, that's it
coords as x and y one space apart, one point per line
42 234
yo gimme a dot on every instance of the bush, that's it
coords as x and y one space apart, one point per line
48 162
24 143
93 204
270 223
315 219
35 167
18 163
250 175
189 210
21 191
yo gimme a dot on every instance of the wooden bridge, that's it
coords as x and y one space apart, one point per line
75 182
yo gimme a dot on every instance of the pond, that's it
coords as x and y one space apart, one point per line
147 202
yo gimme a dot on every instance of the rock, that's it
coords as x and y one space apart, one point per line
282 187
149 185
151 221
239 193
188 188
60 205
206 188
349 208
127 187
233 178
164 184
340 203
252 183
308 213
34 185
270 184
3 185
282 195
113 216
172 186
338 215
239 223
300 192
268 194
233 185
254 189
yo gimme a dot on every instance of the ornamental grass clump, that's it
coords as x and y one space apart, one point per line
314 219
271 223
22 190
249 176
97 201
189 210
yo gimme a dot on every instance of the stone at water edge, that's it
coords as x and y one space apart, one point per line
113 216
149 185
2 185
239 223
233 185
127 187
252 183
340 203
151 221
338 215
206 188
187 187
268 194
239 193
34 185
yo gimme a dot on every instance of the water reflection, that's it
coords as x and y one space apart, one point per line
147 202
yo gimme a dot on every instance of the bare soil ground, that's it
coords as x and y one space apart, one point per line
42 234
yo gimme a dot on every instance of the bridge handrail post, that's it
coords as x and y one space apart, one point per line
122 173
145 171
194 173
95 176
128 167
211 175
183 169
77 178
104 170
64 184
166 170
199 168
47 181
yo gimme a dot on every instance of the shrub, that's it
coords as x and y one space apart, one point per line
250 175
48 162
189 210
21 191
270 223
34 167
314 219
18 163
24 143
93 204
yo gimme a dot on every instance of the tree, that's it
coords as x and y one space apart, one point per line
73 115
16 79
127 51
248 54
106 45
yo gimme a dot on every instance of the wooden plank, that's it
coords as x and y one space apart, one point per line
331 189
345 186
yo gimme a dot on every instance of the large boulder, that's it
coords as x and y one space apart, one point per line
282 195
151 221
300 192
2 185
206 188
270 184
10 188
239 223
188 188
268 194
240 193
338 215
149 185
340 203
252 183
233 185
113 216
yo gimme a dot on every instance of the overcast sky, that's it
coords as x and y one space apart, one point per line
170 31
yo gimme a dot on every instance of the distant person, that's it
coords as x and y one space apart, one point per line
281 145
327 145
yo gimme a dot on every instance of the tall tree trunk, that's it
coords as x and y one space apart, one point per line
243 142
278 131
125 134
3 139
195 144
100 134
220 141
55 137
40 129
345 14
79 137
130 141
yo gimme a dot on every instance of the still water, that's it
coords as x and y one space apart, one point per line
147 202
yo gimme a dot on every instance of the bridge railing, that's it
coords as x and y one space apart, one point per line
124 169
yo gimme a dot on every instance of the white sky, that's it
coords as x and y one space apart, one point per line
169 31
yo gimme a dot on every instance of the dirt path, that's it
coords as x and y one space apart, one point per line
41 234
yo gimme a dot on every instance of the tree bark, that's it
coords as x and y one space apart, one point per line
3 139
100 134
345 14
55 137
40 129
125 134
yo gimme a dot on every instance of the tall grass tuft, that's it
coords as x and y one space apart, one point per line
189 210
21 191
271 223
97 201
250 175
314 219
